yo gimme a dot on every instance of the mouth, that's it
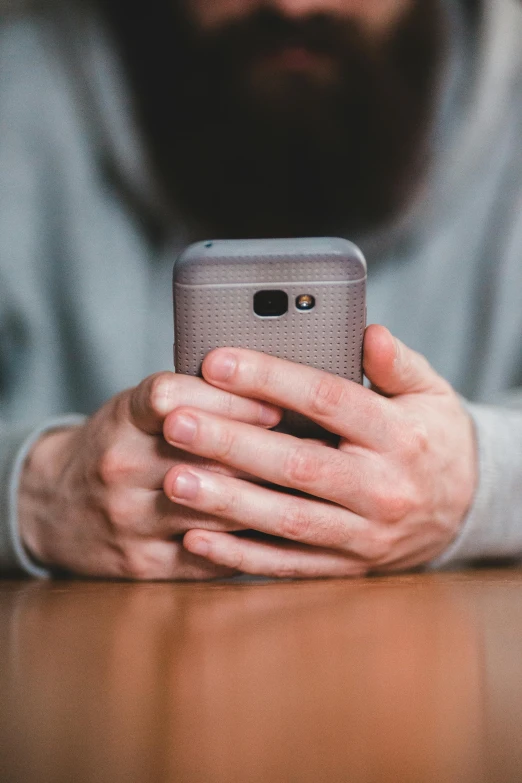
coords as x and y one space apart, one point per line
296 62
294 58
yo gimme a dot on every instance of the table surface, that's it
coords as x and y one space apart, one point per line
409 678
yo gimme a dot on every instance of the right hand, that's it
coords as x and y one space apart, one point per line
91 497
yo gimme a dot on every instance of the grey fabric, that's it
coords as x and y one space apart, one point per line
85 303
13 467
499 494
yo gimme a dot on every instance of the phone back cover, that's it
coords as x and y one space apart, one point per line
214 286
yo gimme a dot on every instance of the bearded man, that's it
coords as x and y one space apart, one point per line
125 134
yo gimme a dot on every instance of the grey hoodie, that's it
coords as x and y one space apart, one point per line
85 304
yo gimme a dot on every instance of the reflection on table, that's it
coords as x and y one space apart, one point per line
414 678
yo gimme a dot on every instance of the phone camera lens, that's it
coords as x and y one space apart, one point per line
305 302
270 304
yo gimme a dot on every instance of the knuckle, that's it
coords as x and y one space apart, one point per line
163 390
295 522
147 561
286 571
112 466
377 548
326 395
264 377
134 565
120 510
394 504
413 439
420 437
301 467
237 560
224 504
224 444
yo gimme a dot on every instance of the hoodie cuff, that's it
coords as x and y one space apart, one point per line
492 529
14 557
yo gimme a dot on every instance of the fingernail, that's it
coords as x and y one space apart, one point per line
199 546
268 417
183 429
186 486
221 366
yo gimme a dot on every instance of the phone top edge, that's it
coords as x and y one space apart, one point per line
202 259
272 283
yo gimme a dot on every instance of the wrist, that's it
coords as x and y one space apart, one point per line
39 490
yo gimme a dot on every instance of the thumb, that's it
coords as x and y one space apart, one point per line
393 369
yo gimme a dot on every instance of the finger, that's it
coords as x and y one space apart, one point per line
278 458
166 560
271 558
175 519
138 461
160 394
144 514
340 406
301 519
394 369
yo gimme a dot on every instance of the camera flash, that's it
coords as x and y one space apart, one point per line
305 302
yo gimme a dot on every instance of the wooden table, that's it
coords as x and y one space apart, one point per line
412 678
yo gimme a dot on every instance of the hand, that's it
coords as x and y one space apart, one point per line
392 496
91 499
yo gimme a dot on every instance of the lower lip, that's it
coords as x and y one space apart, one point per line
293 59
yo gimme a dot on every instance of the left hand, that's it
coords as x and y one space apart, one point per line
392 496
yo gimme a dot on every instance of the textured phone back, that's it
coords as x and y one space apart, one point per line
214 286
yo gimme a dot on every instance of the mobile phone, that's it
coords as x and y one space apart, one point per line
299 299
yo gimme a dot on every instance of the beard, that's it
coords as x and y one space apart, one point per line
244 148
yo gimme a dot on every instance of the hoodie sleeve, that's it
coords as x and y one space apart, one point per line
30 369
15 445
493 527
